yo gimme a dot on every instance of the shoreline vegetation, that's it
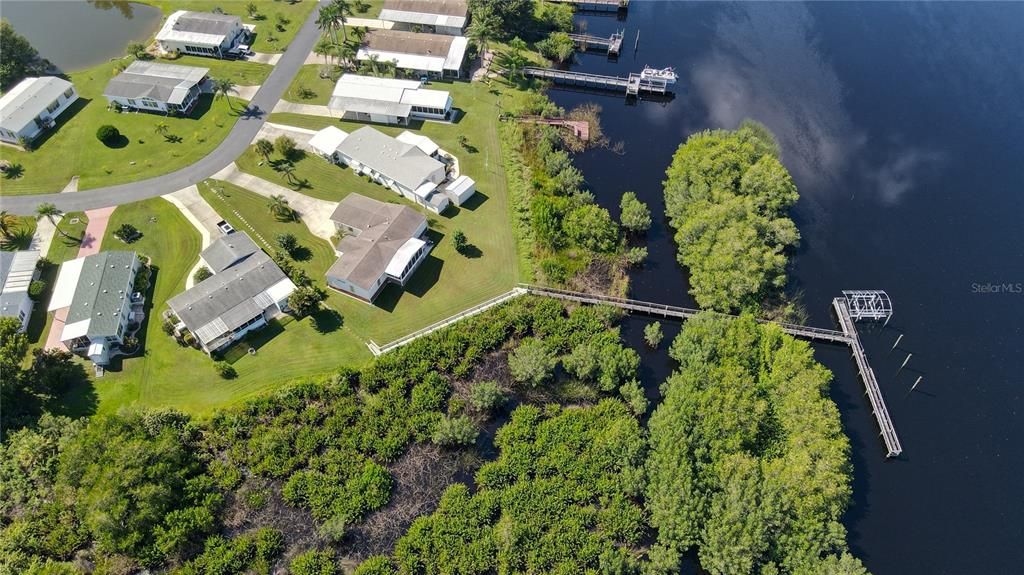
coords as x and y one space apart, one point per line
727 195
519 440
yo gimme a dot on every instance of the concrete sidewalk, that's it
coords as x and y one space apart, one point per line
284 106
43 236
201 215
316 214
263 58
301 136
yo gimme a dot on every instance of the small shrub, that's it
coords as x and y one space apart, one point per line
315 562
486 396
285 146
225 370
633 395
36 289
202 274
288 243
636 256
257 498
653 334
532 362
459 241
455 431
168 327
107 133
554 270
127 233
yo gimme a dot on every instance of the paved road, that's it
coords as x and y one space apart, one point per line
241 135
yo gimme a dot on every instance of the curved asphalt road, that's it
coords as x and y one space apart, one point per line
245 129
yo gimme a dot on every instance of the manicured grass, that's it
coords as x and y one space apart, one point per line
266 21
167 375
309 78
448 282
71 148
241 73
61 250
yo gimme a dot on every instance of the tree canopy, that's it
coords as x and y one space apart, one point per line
727 195
747 457
19 55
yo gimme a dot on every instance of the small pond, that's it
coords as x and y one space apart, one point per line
77 34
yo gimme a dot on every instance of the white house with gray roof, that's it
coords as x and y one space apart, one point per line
97 291
32 106
246 289
203 34
157 87
382 244
17 271
435 16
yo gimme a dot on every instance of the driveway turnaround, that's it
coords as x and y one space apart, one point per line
246 128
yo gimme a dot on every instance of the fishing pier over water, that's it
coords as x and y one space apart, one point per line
595 5
611 44
633 85
848 309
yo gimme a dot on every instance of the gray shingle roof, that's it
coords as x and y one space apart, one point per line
402 42
162 82
383 228
404 163
102 292
228 250
205 23
225 301
29 98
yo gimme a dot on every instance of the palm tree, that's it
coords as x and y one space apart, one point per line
327 21
515 59
7 221
484 28
279 207
342 9
51 213
348 53
373 60
224 87
324 48
162 128
264 148
288 169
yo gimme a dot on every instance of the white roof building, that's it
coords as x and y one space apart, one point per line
326 141
387 100
425 144
32 104
201 33
17 271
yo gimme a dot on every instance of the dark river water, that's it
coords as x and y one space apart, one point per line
79 34
903 126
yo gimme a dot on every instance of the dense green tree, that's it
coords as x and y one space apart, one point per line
747 458
306 299
727 196
455 431
653 334
485 27
636 216
140 488
18 57
592 227
513 16
558 47
315 562
532 362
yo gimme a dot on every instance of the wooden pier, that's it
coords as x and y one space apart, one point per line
611 44
867 376
595 5
632 86
848 336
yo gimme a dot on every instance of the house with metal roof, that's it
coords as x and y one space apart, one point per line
388 100
245 291
204 34
17 272
429 55
434 16
403 167
382 244
157 87
102 306
32 106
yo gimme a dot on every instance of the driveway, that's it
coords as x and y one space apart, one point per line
198 212
272 131
306 109
245 129
316 214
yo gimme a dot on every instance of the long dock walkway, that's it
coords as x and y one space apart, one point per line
848 336
631 86
867 375
611 44
595 5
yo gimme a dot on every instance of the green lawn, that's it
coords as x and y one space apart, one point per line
309 78
71 148
167 375
241 73
448 282
266 19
